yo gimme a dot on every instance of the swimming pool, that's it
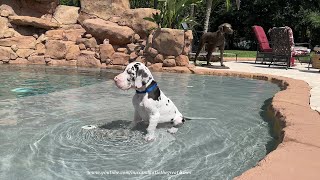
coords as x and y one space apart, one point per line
43 110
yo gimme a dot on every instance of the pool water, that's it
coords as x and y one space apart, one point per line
43 111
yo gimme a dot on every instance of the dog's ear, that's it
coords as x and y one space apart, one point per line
138 83
142 77
221 28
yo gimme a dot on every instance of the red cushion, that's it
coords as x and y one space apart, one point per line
262 39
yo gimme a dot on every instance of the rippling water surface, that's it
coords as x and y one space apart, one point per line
43 110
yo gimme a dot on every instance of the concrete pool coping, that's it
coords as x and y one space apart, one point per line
298 155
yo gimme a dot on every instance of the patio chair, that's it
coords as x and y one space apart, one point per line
284 50
264 51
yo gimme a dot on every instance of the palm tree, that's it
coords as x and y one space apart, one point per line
214 3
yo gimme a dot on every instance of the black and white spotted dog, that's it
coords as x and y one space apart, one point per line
149 102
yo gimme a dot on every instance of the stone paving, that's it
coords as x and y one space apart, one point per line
300 71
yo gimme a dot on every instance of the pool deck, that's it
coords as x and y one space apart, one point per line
297 109
301 72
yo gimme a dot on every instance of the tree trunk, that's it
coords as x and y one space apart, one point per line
208 12
192 10
155 4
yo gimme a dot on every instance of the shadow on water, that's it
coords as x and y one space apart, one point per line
122 124
274 127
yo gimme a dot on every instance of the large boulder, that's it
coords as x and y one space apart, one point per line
134 19
168 41
19 61
56 49
169 63
40 49
24 42
182 60
6 10
101 29
36 60
3 23
5 31
33 21
56 34
73 51
6 53
104 8
52 62
3 26
25 53
66 14
87 59
35 8
88 42
67 35
106 52
188 37
119 58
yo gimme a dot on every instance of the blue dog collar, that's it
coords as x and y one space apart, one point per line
148 89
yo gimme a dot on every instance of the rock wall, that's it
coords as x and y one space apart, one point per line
68 36
169 46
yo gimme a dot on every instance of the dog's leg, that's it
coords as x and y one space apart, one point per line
172 130
221 54
201 44
210 50
136 119
153 122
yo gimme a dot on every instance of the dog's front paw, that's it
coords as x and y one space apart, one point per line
150 137
172 130
132 125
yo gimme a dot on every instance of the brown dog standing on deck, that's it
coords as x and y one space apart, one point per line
213 40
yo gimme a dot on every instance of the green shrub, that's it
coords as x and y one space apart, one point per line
70 2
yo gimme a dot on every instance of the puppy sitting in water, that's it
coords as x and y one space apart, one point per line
150 103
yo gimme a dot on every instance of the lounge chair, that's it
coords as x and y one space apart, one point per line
284 50
264 51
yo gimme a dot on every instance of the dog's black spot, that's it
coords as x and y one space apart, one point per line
166 104
136 66
171 122
168 100
155 93
143 83
183 120
172 119
142 73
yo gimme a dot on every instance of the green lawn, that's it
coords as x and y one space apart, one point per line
242 53
252 54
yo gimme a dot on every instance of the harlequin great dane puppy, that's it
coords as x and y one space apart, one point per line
149 102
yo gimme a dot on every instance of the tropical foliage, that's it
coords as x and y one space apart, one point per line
70 2
302 16
173 13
